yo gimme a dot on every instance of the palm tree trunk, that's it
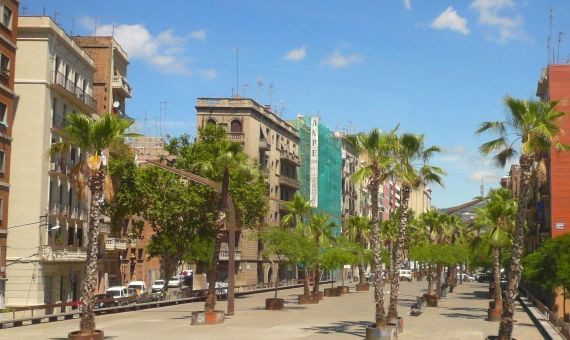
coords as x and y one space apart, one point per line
430 281
306 289
277 280
438 269
377 259
448 276
210 304
88 287
361 277
317 278
513 279
497 278
399 255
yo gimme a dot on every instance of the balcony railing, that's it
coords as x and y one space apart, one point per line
225 255
289 156
116 244
63 253
60 167
236 136
264 144
290 182
61 80
120 82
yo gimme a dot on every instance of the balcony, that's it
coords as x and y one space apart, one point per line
291 157
61 168
63 253
115 244
79 213
264 144
225 255
73 91
121 84
290 182
236 137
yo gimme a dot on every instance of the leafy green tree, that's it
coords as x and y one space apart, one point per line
377 151
413 169
298 211
341 251
494 224
534 125
357 229
319 229
549 267
95 137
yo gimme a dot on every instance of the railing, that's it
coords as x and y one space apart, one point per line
293 183
289 156
562 327
61 167
236 136
121 82
225 255
65 253
115 244
61 80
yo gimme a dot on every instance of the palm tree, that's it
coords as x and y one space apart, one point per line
533 124
454 235
413 170
229 157
389 234
495 223
95 137
357 228
376 149
298 210
430 223
319 230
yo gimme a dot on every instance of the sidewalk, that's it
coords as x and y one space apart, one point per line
460 316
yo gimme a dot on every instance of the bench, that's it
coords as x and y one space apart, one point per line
417 308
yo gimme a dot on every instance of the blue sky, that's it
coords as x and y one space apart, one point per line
436 67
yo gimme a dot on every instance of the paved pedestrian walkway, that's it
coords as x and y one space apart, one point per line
460 316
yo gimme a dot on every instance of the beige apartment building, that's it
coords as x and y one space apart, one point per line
54 77
420 200
147 147
275 144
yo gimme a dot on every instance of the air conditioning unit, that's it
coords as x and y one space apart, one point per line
52 166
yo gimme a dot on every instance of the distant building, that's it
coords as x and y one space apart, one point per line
274 142
420 200
54 77
321 172
147 147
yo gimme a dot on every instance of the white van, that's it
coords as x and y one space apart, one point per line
138 286
405 274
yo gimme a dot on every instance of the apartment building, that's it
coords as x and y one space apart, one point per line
54 78
110 85
274 142
147 147
8 40
420 200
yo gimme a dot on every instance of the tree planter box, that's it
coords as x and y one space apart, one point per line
330 292
307 299
494 314
431 300
274 304
363 287
343 289
492 304
386 333
399 322
212 318
318 295
96 335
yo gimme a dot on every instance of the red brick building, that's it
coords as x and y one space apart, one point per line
8 39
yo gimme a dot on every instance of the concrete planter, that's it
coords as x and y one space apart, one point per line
363 287
343 289
212 318
318 295
330 292
274 304
96 335
431 300
494 314
386 333
307 299
399 322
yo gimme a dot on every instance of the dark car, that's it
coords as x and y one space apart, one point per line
486 277
101 303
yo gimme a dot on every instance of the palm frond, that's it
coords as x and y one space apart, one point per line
497 127
496 144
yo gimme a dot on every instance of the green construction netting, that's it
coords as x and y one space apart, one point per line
330 169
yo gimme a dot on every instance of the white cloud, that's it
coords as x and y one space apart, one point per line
491 13
208 74
449 19
408 4
296 54
487 176
198 35
337 59
164 51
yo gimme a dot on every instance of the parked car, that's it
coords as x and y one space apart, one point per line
406 274
157 286
485 277
138 286
466 277
104 304
222 290
118 292
174 282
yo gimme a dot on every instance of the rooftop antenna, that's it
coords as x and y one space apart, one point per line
245 85
162 112
270 92
560 35
548 44
55 14
145 122
259 88
237 72
24 8
44 12
72 25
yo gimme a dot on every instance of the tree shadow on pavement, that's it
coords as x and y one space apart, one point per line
106 337
474 309
462 315
354 328
478 294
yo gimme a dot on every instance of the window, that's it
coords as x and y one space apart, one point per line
7 16
2 161
211 121
54 112
1 210
4 66
3 115
80 237
70 235
236 126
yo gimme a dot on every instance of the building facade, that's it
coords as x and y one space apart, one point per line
420 200
274 142
147 147
55 77
8 41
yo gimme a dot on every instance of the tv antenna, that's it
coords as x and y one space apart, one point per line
549 41
270 92
162 113
237 72
259 88
560 35
245 85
